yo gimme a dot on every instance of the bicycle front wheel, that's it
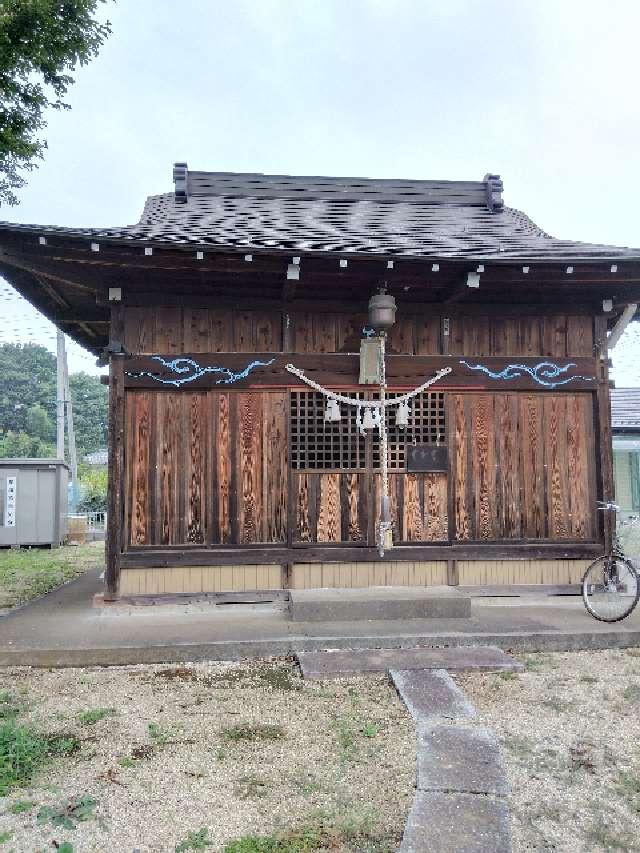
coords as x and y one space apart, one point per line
610 588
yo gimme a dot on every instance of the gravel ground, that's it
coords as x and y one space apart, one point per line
570 731
169 758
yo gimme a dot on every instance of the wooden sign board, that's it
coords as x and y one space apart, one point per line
427 457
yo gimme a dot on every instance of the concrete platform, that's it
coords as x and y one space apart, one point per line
377 603
64 629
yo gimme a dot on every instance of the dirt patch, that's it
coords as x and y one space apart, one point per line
212 752
570 730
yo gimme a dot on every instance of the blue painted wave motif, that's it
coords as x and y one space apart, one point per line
543 373
190 370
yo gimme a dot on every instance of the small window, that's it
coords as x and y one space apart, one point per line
319 445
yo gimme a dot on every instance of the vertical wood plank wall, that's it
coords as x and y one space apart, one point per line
212 467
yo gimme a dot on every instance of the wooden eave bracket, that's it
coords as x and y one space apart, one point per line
621 324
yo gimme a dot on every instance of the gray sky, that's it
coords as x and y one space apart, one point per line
543 93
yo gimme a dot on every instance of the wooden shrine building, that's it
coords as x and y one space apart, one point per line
225 474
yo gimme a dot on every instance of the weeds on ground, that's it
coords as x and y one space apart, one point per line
276 677
90 718
508 676
162 735
353 831
20 807
10 707
252 787
253 732
126 761
632 693
67 816
604 837
23 751
5 836
25 574
195 841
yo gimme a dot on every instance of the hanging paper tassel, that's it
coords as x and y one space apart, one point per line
402 415
368 421
332 412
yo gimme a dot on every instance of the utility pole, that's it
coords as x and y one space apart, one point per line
60 362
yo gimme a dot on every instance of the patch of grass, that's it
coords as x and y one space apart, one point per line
306 784
21 806
5 836
126 761
557 704
632 693
162 735
65 847
276 677
369 730
535 663
252 787
508 676
10 707
72 813
27 573
347 740
195 841
604 837
348 831
90 718
23 751
253 732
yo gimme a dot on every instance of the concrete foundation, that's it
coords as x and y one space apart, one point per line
378 603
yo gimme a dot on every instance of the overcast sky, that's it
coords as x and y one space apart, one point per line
543 93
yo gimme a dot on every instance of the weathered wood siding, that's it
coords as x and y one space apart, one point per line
523 466
179 330
206 468
212 467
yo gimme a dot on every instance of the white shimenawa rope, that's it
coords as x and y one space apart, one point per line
367 404
378 406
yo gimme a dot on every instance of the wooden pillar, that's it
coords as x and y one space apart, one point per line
116 460
603 408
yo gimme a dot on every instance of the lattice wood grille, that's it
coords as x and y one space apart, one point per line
322 445
317 444
427 425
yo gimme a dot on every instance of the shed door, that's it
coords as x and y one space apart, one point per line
8 507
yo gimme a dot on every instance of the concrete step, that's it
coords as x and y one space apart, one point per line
344 663
378 603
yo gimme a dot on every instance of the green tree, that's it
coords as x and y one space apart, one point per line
41 41
39 424
89 399
20 444
28 402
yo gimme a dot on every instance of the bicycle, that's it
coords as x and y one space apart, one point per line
610 586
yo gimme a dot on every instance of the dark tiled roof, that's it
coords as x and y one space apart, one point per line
625 408
439 219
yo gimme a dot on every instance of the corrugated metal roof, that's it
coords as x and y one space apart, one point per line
439 219
625 408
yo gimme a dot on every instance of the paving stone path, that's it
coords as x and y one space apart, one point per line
459 806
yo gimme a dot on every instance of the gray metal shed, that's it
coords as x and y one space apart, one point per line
33 501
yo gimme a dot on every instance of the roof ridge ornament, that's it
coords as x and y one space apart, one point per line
493 187
180 174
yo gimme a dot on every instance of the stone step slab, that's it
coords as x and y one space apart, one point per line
378 603
428 694
456 823
345 663
460 759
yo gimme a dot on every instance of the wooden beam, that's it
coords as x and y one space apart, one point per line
165 557
228 371
606 488
115 501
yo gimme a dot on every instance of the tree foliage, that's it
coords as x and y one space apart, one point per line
41 41
28 404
